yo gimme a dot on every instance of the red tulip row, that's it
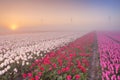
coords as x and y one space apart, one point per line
70 62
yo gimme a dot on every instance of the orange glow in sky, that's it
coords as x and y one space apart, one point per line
13 27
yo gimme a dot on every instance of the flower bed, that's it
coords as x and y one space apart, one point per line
17 52
70 62
109 57
114 35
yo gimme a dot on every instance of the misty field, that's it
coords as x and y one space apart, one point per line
60 56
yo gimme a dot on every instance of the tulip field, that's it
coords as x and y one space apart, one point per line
60 56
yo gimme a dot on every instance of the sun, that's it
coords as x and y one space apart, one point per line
14 27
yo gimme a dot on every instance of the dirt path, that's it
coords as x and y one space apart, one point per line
94 72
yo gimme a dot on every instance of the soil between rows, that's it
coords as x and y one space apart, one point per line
94 72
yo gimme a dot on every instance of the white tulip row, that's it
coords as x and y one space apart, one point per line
20 40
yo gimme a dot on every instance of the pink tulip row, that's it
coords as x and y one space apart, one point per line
109 57
114 35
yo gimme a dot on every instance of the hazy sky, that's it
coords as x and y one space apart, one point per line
39 14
